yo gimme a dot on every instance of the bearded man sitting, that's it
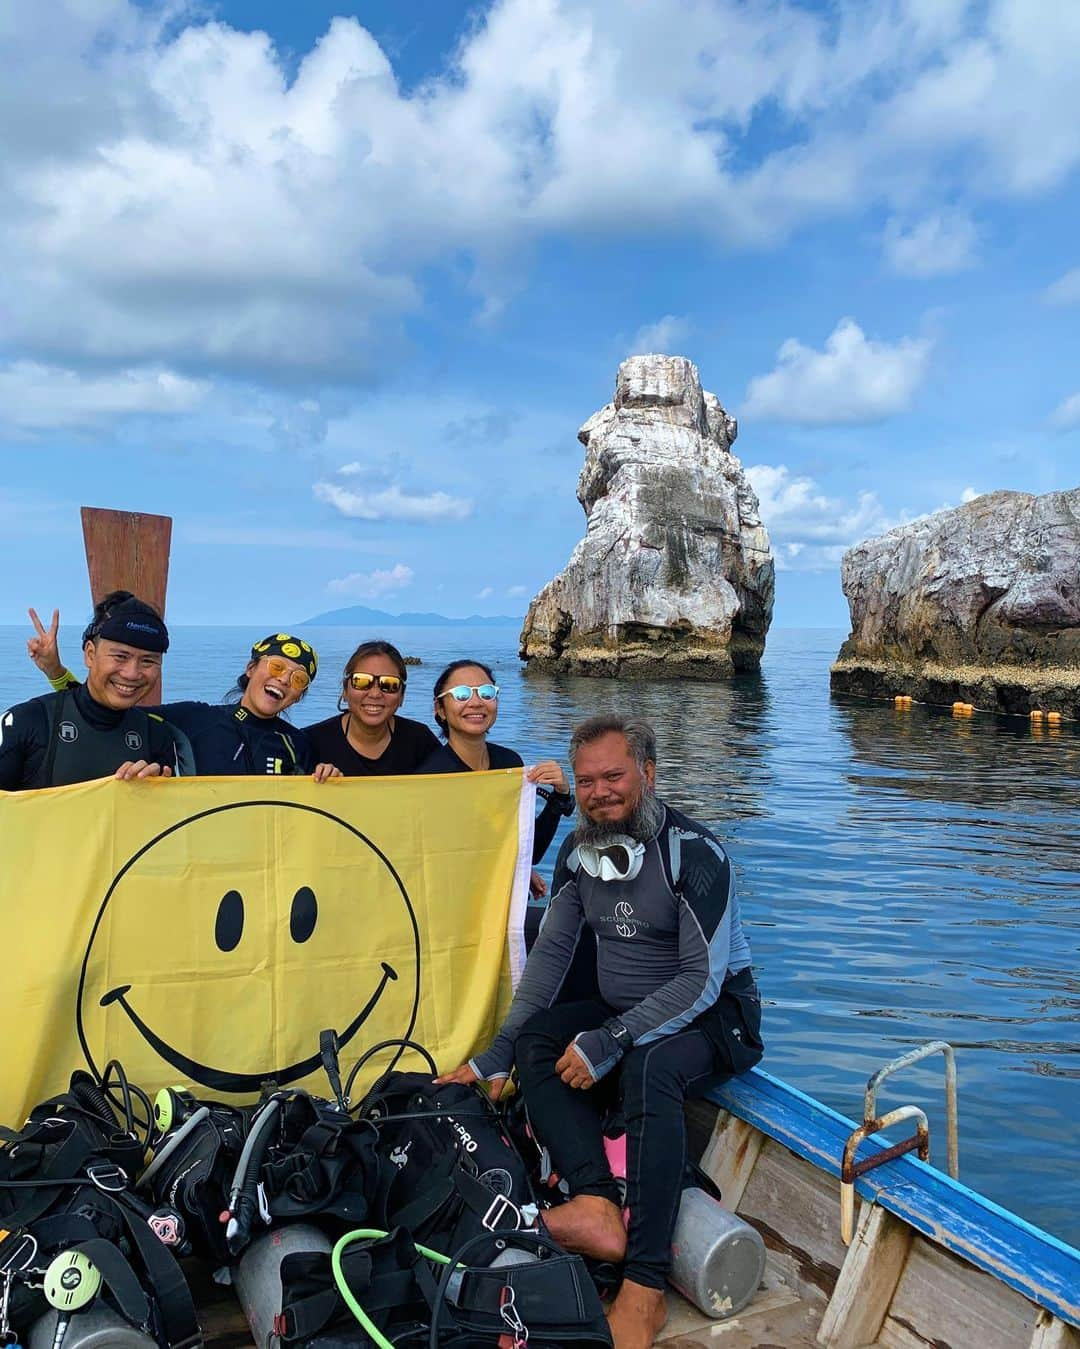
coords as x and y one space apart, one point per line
643 898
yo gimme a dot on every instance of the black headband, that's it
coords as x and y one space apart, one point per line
293 648
133 622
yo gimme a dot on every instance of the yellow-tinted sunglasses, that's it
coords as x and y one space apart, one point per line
277 668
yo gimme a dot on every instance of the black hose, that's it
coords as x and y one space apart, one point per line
386 1044
127 1091
90 1095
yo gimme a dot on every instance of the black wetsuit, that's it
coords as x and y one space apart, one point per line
67 737
557 805
225 738
411 742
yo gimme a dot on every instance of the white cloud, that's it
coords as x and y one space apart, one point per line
1065 290
351 470
514 592
373 585
808 530
937 245
393 503
183 195
1066 415
35 397
665 337
969 494
486 593
853 380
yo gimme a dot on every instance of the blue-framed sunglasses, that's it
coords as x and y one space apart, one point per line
461 693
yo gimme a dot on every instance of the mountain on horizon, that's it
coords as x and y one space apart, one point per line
361 615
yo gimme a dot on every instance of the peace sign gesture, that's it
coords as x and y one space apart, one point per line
43 647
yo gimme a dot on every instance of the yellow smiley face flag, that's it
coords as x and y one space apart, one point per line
205 931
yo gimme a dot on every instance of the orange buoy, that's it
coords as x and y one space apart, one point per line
1054 718
1036 714
958 708
902 701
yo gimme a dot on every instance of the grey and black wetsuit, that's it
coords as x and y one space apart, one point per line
672 971
666 942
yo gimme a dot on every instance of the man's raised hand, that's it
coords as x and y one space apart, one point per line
43 648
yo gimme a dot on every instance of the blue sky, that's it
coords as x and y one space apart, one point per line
335 287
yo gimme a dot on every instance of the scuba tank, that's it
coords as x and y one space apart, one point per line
257 1275
96 1328
717 1259
76 1319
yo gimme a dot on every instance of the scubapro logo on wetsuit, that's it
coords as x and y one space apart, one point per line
623 914
626 922
68 732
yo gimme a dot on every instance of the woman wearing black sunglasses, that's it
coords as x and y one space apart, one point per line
466 706
366 737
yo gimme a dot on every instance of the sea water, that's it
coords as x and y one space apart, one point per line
903 876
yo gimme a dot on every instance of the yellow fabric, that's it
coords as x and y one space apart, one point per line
236 918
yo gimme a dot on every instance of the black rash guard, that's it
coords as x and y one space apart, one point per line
665 943
91 740
557 805
410 744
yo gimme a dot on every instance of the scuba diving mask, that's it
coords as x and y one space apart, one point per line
619 860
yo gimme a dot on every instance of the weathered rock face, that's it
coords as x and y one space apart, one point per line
980 603
674 576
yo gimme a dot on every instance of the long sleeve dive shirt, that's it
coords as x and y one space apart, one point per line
665 943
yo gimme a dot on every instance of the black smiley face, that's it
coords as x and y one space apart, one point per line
315 916
229 926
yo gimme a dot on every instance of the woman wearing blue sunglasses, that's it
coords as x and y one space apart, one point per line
466 706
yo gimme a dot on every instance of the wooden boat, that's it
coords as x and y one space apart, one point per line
926 1263
930 1264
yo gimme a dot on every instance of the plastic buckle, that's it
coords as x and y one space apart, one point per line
497 1210
107 1177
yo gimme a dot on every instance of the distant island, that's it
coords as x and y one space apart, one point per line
360 616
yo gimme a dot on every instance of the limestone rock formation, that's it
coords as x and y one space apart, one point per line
674 576
980 603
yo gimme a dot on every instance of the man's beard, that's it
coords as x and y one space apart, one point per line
641 824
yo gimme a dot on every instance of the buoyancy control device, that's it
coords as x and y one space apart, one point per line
453 1171
74 1233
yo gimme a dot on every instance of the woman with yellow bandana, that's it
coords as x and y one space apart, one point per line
246 737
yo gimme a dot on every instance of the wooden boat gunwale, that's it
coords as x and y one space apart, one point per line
1041 1267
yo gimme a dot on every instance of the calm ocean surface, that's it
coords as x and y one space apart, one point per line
903 876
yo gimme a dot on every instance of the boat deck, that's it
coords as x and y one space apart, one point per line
932 1265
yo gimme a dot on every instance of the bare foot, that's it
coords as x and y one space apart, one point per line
637 1316
588 1224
